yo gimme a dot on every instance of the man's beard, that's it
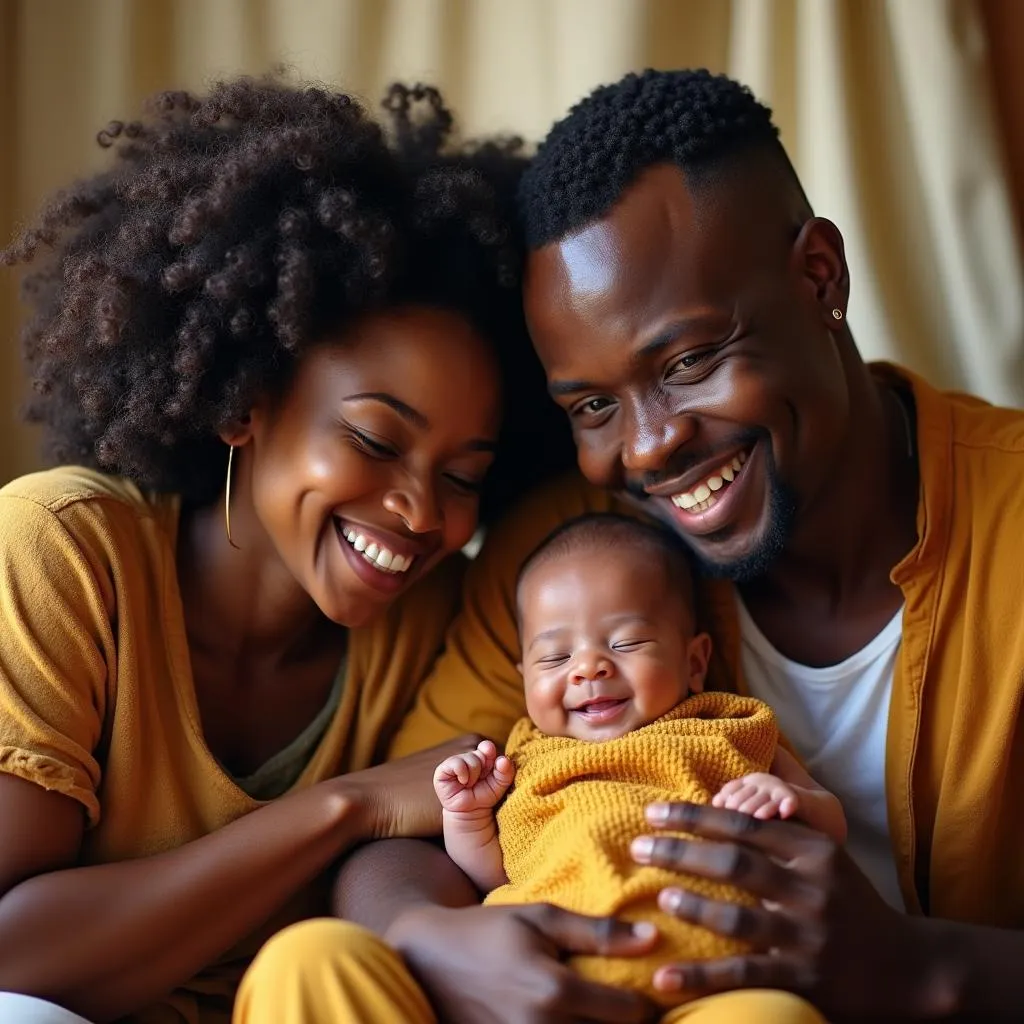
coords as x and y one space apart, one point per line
767 548
782 509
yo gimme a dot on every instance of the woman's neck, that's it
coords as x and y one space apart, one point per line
243 603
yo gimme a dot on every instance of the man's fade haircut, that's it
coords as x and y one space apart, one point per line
602 531
693 119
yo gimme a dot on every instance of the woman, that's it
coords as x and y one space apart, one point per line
266 348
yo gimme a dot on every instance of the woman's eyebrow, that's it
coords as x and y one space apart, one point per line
414 416
407 412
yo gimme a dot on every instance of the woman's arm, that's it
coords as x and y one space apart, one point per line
109 939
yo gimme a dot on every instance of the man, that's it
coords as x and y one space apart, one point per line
690 312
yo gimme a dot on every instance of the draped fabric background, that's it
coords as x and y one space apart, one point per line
905 119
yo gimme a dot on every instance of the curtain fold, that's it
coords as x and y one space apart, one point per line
905 119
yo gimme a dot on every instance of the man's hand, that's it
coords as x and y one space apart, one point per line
821 930
502 965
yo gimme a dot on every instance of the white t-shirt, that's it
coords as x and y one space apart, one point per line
836 718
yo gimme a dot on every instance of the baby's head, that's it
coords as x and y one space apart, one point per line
607 628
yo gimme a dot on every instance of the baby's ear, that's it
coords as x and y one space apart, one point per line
698 654
519 667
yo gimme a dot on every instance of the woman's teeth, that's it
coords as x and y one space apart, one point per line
703 497
376 554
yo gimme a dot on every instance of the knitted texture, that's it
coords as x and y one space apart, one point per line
567 824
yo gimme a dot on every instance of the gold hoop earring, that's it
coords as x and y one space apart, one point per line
837 313
227 498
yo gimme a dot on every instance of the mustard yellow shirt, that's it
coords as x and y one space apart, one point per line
97 698
955 746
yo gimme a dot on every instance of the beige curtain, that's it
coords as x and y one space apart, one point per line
887 107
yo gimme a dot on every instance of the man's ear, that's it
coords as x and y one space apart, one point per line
698 654
820 257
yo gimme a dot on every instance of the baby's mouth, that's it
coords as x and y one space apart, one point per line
600 709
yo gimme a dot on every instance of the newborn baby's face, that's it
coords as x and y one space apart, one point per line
607 643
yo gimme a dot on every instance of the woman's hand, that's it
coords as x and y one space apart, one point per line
397 799
821 929
501 965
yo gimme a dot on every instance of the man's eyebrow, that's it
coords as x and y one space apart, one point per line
560 388
406 411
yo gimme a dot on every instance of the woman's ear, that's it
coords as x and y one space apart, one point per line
698 654
238 432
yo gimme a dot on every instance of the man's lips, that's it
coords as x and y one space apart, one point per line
693 478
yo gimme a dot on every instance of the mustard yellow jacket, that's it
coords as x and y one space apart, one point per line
955 748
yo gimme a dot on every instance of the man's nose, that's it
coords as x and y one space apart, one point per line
653 436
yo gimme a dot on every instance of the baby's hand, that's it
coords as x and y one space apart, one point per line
762 795
475 780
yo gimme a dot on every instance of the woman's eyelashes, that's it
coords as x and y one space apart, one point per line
379 449
372 446
466 486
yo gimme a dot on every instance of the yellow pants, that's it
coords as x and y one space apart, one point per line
332 972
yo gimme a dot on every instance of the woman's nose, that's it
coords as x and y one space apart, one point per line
415 503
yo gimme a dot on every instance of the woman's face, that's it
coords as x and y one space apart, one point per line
367 472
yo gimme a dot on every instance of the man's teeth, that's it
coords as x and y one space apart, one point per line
376 554
703 497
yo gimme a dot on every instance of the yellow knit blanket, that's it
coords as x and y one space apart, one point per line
567 824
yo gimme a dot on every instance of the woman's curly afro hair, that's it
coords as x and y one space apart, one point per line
233 231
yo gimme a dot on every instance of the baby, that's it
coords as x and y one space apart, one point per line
613 669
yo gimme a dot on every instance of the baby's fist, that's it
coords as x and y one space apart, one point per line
475 780
761 795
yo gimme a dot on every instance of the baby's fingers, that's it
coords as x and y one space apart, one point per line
487 751
471 769
788 807
726 793
735 799
504 770
769 809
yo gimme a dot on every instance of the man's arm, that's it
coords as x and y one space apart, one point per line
382 880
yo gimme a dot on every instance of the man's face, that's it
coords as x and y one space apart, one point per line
688 337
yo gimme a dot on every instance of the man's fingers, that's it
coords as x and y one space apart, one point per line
781 840
762 928
586 1000
764 970
742 866
599 936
